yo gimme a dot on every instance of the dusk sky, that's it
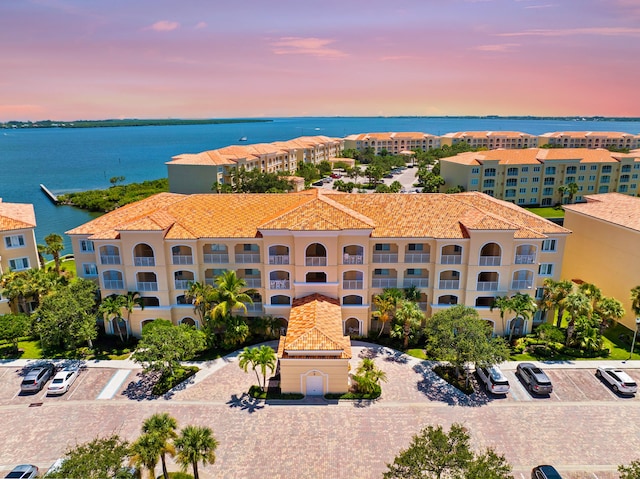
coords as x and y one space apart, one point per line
98 59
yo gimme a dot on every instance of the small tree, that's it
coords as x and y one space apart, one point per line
163 427
54 244
145 452
262 357
111 309
196 444
408 317
632 471
13 327
368 376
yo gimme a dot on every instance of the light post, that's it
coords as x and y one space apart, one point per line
635 333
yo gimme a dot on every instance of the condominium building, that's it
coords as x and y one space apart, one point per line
491 139
18 250
590 139
534 176
455 249
197 173
392 142
603 247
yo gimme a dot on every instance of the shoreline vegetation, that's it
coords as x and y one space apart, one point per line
213 121
126 122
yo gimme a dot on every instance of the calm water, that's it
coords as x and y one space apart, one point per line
79 159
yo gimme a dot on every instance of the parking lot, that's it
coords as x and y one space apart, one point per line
583 427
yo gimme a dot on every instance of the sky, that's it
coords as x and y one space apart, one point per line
98 59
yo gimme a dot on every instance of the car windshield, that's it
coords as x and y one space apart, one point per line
58 380
15 475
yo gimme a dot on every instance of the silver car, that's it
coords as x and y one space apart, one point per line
23 471
619 381
493 379
37 377
62 381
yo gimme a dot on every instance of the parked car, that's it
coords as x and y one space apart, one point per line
318 183
37 377
493 379
545 472
23 471
62 381
619 381
534 378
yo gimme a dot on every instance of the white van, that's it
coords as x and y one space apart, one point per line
493 379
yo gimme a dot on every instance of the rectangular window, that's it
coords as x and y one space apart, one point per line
524 180
583 167
605 179
547 191
603 189
539 293
475 170
533 200
591 188
474 181
623 189
571 170
90 269
545 269
549 245
634 176
512 182
606 169
550 170
86 246
535 179
524 169
510 193
19 264
549 181
633 186
415 246
414 272
512 171
626 168
381 272
521 201
523 191
594 167
536 169
14 241
581 178
570 179
592 177
383 247
534 190
490 172
488 183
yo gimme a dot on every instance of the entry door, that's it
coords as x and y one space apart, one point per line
314 386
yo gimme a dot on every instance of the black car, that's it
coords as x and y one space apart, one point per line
545 472
534 378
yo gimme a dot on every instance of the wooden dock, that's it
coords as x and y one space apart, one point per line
50 195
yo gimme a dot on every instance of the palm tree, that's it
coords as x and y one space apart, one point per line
556 293
635 300
503 303
386 304
524 306
578 305
111 308
201 295
145 453
17 289
42 250
248 357
410 317
163 426
130 301
263 357
196 444
608 310
55 244
368 376
230 295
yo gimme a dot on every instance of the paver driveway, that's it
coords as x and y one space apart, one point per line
585 434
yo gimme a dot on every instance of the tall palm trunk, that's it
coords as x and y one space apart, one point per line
195 470
163 459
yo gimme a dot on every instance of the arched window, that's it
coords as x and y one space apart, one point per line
150 301
146 281
316 255
449 279
182 254
451 254
279 280
109 254
353 254
183 279
490 255
522 279
145 322
112 279
352 280
351 299
278 254
448 299
143 255
525 254
280 299
189 321
316 277
488 281
352 327
215 253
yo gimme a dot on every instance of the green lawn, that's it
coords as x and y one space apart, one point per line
547 212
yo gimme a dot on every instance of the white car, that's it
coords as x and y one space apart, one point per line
62 381
619 381
493 379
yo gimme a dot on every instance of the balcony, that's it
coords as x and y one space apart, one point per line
449 284
385 257
253 282
451 259
487 286
244 258
315 261
180 284
216 258
417 282
144 261
525 258
254 308
517 284
182 259
384 283
352 284
113 284
423 305
352 259
109 259
280 284
278 259
147 286
417 258
489 260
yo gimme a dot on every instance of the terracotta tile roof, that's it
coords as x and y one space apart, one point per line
212 157
16 216
315 325
586 134
530 156
614 208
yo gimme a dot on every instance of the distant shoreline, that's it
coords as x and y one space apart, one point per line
178 122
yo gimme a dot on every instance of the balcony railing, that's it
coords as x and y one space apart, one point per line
253 282
385 257
113 284
279 284
449 284
487 286
525 258
489 260
247 258
147 286
210 281
278 259
522 284
417 258
182 259
451 259
315 261
352 259
181 283
110 259
144 261
254 308
352 284
418 282
216 258
422 305
384 282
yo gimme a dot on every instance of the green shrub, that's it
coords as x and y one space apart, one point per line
355 395
166 382
550 333
448 373
257 393
177 475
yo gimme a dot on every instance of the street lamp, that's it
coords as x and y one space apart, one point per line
635 333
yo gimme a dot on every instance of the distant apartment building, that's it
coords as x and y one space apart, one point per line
196 173
466 248
18 250
491 139
393 142
603 247
590 139
534 176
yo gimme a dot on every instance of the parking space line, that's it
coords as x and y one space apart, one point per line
114 384
78 381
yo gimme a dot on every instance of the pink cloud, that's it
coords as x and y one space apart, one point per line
200 25
503 47
599 31
164 26
317 47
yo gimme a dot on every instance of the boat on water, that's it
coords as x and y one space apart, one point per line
242 138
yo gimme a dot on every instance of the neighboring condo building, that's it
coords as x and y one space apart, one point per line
603 248
534 176
456 249
18 250
491 139
590 139
392 142
197 173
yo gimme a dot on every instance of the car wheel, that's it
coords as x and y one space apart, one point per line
598 373
615 388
